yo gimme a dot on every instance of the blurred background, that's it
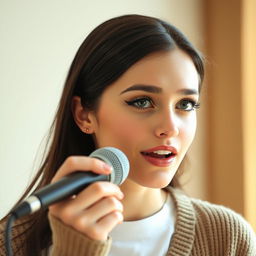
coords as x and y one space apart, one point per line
39 40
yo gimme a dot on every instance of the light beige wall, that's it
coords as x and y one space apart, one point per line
224 44
38 42
248 101
231 47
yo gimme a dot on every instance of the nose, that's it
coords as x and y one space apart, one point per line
167 126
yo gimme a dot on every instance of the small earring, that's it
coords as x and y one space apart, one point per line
87 130
163 133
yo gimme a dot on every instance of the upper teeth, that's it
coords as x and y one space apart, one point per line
162 152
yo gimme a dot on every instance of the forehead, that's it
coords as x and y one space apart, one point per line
172 69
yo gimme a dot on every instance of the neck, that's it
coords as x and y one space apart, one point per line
140 202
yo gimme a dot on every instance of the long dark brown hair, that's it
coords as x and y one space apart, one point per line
106 53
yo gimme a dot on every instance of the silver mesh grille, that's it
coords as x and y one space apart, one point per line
117 159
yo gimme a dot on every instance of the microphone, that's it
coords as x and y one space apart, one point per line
75 182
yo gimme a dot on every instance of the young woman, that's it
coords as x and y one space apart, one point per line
134 85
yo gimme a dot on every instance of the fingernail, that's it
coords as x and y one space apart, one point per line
121 195
107 167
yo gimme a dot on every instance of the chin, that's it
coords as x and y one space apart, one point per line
160 185
156 183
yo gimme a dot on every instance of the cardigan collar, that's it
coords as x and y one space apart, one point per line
182 240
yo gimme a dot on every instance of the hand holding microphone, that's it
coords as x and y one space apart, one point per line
95 207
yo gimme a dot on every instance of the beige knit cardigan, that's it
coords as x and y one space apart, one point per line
201 229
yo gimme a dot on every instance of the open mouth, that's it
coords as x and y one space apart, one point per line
161 154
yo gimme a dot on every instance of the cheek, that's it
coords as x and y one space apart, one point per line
117 129
188 131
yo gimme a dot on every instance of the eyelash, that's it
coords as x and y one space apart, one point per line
134 103
140 99
194 104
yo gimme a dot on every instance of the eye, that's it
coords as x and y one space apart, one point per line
141 103
187 105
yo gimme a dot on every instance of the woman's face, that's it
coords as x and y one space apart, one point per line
149 114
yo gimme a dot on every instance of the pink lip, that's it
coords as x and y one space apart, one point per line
161 162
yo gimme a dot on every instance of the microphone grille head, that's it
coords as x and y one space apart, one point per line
115 158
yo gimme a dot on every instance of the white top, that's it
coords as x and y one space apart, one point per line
147 237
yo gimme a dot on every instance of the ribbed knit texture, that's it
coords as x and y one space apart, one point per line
201 229
184 234
207 229
64 236
18 230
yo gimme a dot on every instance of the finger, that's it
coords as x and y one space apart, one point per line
101 229
81 163
95 192
100 209
108 209
85 199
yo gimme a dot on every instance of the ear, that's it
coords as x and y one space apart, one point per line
84 119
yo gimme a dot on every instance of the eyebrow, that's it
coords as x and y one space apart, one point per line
156 89
188 92
143 87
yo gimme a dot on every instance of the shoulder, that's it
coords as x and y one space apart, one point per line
211 213
223 224
218 215
218 225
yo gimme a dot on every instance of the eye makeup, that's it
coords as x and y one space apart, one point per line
142 102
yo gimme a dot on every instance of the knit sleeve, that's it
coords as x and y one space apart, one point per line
246 237
223 231
19 230
69 242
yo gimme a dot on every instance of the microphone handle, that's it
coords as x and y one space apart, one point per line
53 193
67 186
